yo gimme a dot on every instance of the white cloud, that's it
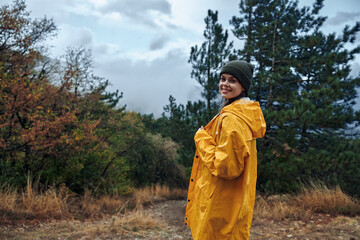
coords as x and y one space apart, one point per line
355 69
146 13
147 85
159 42
103 51
98 3
71 36
113 17
190 14
80 7
129 7
343 17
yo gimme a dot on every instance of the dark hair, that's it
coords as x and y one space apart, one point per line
231 100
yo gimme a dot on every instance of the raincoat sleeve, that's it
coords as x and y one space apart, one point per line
225 159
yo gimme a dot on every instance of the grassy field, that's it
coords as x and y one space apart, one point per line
157 212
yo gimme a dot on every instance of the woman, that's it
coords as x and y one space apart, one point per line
222 186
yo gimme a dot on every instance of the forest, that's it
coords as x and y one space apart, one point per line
61 126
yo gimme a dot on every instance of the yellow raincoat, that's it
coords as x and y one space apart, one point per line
222 186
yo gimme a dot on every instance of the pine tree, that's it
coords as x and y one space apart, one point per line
207 59
304 85
178 124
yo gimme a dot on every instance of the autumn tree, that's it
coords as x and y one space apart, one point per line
38 121
59 124
78 69
43 126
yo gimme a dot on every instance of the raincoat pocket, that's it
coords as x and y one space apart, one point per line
207 184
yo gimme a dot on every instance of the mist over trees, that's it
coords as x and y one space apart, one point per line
60 125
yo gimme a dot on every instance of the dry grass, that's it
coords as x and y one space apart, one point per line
143 197
320 199
8 200
88 207
135 221
61 204
126 217
92 207
51 204
315 199
148 195
279 208
30 204
113 204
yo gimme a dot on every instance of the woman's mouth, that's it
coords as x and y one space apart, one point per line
225 90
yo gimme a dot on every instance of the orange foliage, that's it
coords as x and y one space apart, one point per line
36 117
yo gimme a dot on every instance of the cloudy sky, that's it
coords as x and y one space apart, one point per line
142 46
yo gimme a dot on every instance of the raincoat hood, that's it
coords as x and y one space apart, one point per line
250 112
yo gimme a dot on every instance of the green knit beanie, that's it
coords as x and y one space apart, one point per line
243 72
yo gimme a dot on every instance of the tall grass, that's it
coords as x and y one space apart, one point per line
316 198
8 199
321 199
149 195
62 204
30 204
53 203
135 221
278 208
91 207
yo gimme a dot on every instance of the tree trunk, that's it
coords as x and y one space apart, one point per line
270 98
249 39
208 93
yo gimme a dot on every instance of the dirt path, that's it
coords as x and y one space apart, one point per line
321 227
173 212
171 226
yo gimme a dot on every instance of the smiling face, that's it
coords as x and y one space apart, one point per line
229 86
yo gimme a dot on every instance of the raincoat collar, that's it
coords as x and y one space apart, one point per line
249 111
